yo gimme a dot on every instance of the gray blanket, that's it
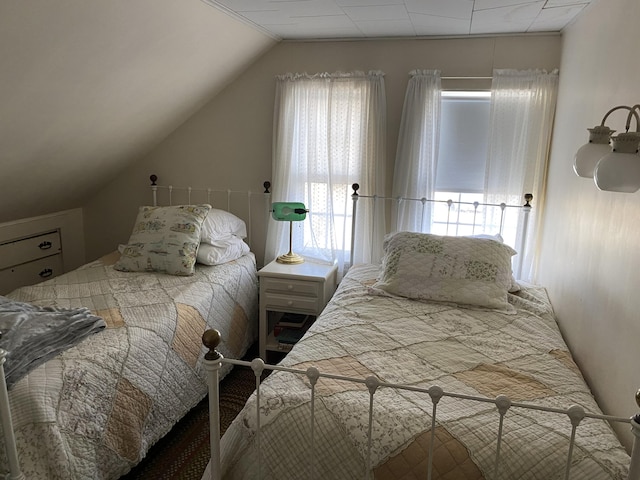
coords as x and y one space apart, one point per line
31 335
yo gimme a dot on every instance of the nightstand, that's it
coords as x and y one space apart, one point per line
303 288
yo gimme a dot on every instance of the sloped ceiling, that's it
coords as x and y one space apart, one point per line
88 86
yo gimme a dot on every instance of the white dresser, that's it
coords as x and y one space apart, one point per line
29 260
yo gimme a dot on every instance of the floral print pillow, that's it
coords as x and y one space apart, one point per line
164 239
460 270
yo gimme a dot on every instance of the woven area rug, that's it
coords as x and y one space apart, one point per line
184 453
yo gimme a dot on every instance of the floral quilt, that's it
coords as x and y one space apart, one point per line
93 411
471 351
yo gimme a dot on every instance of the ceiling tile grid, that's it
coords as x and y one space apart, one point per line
326 19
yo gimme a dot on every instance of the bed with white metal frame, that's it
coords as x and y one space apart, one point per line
256 417
223 295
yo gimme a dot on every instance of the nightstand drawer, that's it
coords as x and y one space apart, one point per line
287 303
291 287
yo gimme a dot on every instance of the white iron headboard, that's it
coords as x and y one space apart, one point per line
453 208
241 203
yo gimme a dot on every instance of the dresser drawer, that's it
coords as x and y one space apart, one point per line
30 248
30 273
291 303
290 287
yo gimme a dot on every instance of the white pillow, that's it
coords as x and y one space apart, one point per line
164 239
515 286
461 270
222 250
221 224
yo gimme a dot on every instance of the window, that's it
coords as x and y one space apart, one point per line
329 133
464 141
461 164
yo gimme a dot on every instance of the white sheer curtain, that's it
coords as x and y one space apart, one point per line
417 152
329 132
522 112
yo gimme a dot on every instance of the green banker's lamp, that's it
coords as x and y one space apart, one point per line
289 212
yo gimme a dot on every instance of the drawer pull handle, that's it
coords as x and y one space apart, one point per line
47 272
45 245
290 287
290 302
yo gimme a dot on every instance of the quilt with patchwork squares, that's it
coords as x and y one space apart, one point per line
472 351
95 410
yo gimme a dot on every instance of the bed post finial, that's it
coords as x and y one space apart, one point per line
153 179
211 340
212 364
267 186
355 188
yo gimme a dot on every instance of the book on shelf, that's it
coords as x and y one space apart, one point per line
293 320
289 336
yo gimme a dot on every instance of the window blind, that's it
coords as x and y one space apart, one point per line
464 138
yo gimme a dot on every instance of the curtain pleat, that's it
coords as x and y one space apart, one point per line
417 153
522 112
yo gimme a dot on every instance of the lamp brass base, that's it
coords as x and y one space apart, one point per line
290 258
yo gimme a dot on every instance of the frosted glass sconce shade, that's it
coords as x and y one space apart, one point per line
619 170
590 153
615 168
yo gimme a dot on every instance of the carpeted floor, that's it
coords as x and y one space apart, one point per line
184 453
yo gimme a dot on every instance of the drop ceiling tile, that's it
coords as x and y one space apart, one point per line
368 3
498 28
560 3
429 17
441 8
311 7
246 5
382 13
388 28
488 4
554 19
427 25
513 14
512 19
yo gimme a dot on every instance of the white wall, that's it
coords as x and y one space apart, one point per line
590 258
227 144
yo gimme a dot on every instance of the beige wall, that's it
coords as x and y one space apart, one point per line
227 144
87 86
590 259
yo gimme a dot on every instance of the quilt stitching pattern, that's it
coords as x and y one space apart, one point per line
94 410
471 351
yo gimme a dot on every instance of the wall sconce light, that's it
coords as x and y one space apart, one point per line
614 168
289 212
